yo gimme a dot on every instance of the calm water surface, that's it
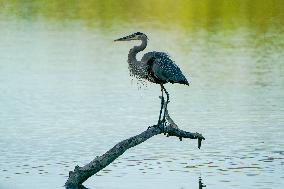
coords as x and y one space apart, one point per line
66 96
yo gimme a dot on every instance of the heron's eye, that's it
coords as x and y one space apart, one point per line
138 33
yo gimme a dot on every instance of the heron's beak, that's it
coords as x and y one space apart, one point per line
126 38
121 39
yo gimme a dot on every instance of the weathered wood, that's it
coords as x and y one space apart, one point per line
81 174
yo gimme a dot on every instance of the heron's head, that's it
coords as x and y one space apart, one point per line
135 36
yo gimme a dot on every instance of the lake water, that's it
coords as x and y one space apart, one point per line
66 95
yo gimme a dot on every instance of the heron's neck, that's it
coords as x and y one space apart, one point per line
135 50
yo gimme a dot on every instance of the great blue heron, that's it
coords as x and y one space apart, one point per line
156 67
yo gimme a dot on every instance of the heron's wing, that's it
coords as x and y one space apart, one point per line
165 70
147 56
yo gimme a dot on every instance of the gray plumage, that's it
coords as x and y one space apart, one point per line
156 67
162 69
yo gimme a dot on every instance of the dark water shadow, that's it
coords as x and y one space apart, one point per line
76 187
201 185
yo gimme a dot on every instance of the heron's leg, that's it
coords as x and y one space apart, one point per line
166 104
162 103
161 110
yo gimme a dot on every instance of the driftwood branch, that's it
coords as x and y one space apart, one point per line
81 174
169 128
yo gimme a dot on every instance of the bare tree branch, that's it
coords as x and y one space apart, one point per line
81 174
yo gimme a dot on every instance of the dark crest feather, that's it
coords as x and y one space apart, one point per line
138 33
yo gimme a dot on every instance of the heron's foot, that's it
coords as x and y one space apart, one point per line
154 126
160 125
160 122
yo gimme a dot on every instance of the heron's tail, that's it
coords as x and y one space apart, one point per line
185 82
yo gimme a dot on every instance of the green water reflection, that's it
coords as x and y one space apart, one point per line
259 15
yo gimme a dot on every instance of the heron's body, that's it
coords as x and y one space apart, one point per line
161 69
156 67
